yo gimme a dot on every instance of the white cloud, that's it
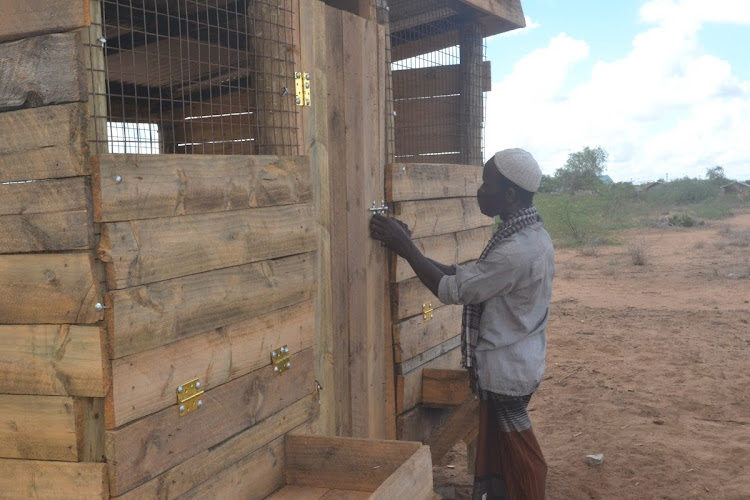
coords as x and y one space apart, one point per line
666 107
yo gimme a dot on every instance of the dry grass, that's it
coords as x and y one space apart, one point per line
638 251
589 251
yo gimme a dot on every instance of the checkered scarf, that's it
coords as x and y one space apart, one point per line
473 312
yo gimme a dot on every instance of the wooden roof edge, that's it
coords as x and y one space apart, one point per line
500 15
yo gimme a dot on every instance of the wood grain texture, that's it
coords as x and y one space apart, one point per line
48 288
170 185
414 336
409 386
147 447
44 216
42 70
434 81
145 382
464 417
42 143
207 464
25 18
48 480
152 315
146 251
409 297
294 492
412 480
89 415
38 427
344 463
420 422
420 359
52 359
509 10
432 217
445 387
421 181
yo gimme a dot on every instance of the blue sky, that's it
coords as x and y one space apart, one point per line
662 85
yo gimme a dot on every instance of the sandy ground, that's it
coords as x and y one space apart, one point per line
649 365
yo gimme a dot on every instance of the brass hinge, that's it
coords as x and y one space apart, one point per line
427 311
281 360
302 89
189 396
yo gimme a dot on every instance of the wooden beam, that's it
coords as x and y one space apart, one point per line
43 70
419 423
170 185
45 216
48 288
38 427
432 217
215 358
147 447
472 441
420 181
26 18
145 251
65 360
49 480
464 417
442 388
89 415
152 315
409 386
293 492
44 143
344 463
415 336
471 107
434 81
245 447
409 297
412 480
438 41
407 13
508 10
420 359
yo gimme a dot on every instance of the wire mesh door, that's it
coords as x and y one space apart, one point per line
195 76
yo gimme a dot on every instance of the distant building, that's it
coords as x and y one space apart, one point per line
606 179
738 189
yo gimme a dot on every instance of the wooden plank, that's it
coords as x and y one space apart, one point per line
47 480
89 415
145 251
25 18
217 130
420 181
41 143
412 480
152 315
44 216
48 288
420 422
42 70
409 297
342 494
428 138
208 463
414 336
472 442
52 359
409 386
144 383
240 100
438 41
450 158
344 463
509 10
434 81
445 387
471 243
294 492
431 217
464 417
38 427
147 447
429 112
252 478
407 13
471 108
169 185
411 364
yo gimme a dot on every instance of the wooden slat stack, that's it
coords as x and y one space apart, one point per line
438 203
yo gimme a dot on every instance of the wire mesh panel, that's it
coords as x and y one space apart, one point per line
439 76
195 76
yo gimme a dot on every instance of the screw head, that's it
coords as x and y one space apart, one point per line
179 389
430 316
273 354
307 76
288 364
276 369
307 85
424 316
394 113
102 40
198 385
307 102
430 304
403 168
200 403
297 74
118 179
182 408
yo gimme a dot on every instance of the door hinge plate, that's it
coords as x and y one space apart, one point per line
427 311
302 83
281 360
189 396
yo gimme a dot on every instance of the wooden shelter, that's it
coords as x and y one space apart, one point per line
190 303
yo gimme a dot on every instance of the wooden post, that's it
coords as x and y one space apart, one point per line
471 106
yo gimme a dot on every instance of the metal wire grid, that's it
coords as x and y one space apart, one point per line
194 76
439 112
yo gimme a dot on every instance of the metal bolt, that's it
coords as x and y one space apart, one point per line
307 76
424 316
286 350
307 85
288 364
118 179
273 354
102 40
200 403
403 168
99 307
430 304
276 369
394 113
430 315
307 102
297 74
424 305
198 385
179 389
182 408
298 100
285 91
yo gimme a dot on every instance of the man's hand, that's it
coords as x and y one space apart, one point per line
392 233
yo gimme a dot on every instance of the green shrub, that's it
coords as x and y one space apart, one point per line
681 220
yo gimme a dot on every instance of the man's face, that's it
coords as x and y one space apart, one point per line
489 197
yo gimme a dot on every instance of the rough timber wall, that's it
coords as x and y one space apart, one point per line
52 367
438 202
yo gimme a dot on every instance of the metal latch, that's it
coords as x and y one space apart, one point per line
427 311
281 360
382 209
302 88
189 396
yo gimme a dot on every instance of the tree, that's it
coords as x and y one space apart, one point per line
716 175
582 170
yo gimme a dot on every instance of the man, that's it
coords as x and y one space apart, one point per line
506 296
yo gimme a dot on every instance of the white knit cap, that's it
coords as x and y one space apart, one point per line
519 167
